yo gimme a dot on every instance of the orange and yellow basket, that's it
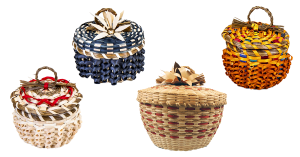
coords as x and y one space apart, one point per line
257 55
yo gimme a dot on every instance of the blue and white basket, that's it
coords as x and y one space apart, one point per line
109 49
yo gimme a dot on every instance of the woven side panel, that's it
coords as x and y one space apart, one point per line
110 70
180 128
45 135
267 72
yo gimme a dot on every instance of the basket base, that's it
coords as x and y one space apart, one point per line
179 144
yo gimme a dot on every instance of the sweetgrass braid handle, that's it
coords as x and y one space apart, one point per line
191 70
45 67
101 11
265 9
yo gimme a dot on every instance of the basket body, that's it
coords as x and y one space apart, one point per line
181 117
256 59
180 128
262 76
109 59
47 135
108 70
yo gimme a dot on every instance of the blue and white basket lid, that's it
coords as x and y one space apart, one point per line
110 37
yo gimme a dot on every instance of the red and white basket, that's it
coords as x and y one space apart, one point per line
47 111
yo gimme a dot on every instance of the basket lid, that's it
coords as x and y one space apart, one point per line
181 87
109 37
251 35
47 96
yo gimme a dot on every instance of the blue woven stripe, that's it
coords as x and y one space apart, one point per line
242 55
103 70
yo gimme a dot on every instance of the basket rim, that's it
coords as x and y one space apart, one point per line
95 55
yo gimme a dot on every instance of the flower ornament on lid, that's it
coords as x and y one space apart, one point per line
109 25
181 76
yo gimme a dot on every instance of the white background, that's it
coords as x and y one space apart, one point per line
38 33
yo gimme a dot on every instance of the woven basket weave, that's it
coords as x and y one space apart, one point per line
257 55
181 117
47 111
109 59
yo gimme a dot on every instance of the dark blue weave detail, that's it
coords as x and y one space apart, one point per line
103 70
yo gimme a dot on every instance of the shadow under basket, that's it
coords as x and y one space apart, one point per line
190 123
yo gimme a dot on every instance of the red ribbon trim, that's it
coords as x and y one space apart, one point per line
47 101
46 85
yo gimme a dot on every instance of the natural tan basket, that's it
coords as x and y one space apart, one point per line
47 111
178 116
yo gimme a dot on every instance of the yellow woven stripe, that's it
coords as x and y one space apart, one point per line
279 50
254 63
245 52
273 62
268 52
283 56
256 53
254 58
236 53
268 46
243 46
231 41
234 47
255 47
243 59
264 60
274 56
278 44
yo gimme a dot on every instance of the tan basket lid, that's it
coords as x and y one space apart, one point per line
46 97
181 96
181 87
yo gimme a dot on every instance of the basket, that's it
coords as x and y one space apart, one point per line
178 114
47 111
257 55
109 49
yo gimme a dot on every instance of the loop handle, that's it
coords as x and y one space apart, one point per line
45 67
103 10
265 9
